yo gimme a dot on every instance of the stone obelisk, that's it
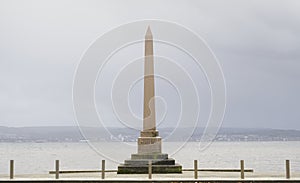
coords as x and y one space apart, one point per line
149 143
149 90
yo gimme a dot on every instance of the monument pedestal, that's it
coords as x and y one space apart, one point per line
149 149
138 164
149 145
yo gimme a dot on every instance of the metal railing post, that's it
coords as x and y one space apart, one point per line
11 169
287 169
103 170
150 170
56 169
195 169
242 169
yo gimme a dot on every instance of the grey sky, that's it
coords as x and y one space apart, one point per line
257 44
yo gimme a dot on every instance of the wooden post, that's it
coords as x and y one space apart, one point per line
287 169
56 169
11 169
195 169
150 170
242 169
103 170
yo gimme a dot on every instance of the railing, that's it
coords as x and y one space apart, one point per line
242 170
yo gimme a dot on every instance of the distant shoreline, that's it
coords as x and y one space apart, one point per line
74 134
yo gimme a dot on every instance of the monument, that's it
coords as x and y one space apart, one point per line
149 142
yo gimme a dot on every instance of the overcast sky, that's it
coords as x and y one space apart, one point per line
256 42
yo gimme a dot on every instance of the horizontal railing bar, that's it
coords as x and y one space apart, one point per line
187 169
219 170
81 171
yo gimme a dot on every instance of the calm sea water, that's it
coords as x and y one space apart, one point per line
31 158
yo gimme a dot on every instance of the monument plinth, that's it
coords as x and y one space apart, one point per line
149 142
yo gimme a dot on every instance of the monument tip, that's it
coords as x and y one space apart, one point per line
148 33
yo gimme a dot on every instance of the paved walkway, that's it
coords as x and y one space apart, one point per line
186 176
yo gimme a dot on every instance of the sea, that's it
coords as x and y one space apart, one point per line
39 158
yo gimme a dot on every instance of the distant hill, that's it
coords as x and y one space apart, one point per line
72 134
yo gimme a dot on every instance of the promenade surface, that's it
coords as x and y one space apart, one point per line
184 177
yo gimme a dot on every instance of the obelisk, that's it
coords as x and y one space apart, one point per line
149 90
149 143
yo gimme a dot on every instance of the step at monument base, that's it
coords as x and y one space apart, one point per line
139 163
143 169
152 156
154 162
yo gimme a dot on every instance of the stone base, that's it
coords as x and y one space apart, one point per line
138 164
142 162
149 145
159 156
149 149
143 169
